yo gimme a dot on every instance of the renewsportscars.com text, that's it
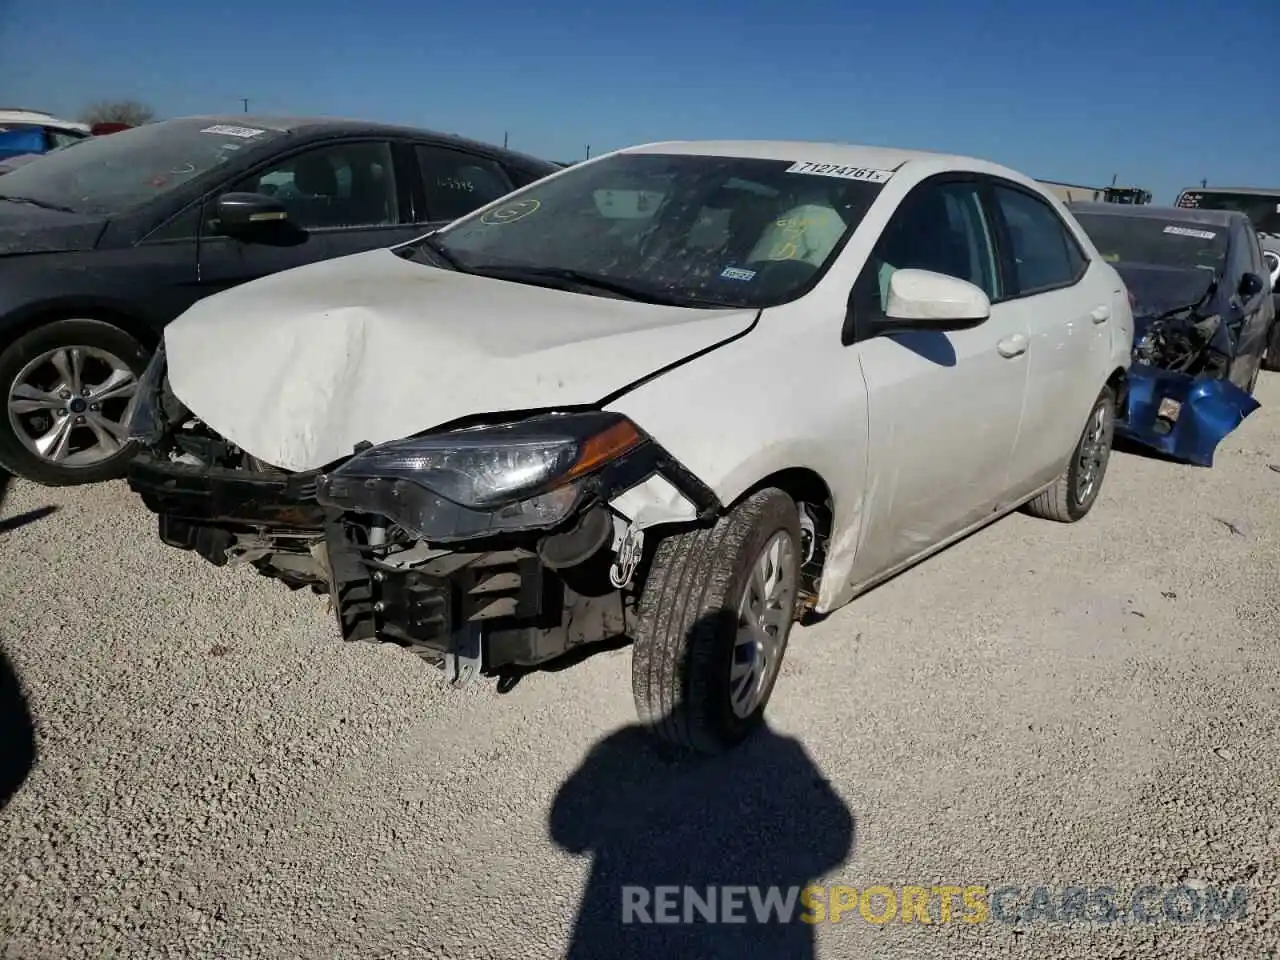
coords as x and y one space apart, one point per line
935 904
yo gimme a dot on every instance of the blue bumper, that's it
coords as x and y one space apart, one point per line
1181 417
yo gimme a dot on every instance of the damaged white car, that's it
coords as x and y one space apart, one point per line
682 394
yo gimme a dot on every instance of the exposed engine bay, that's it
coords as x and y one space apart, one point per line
485 547
1179 398
1185 342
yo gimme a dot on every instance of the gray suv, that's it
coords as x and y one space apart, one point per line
1262 206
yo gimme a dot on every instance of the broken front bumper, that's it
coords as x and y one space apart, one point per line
201 508
1182 417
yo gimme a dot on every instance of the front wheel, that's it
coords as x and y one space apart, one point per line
66 388
713 622
1074 492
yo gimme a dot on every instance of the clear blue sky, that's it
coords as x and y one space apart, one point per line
1161 94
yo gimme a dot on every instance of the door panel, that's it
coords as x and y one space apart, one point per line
944 408
342 198
1066 306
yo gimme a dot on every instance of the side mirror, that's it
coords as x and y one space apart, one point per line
241 213
1251 285
924 300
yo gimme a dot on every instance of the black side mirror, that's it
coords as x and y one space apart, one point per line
1251 285
242 213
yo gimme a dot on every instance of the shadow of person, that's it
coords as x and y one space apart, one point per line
31 516
761 816
17 733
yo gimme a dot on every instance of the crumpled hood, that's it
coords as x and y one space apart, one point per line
299 367
1158 289
28 229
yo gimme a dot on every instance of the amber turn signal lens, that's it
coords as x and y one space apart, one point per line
605 446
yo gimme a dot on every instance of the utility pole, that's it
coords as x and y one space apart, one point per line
504 139
588 151
245 101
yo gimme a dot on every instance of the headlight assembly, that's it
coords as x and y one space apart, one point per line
466 483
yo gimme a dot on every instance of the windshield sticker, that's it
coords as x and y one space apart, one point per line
509 212
843 171
737 273
1188 232
230 130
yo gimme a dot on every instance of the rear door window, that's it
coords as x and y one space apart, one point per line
1045 255
456 183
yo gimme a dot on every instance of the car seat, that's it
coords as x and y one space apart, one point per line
317 183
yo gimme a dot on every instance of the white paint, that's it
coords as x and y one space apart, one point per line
38 119
1190 232
843 171
925 295
298 367
919 439
656 500
230 130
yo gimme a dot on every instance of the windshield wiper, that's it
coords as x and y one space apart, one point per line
563 278
441 251
43 204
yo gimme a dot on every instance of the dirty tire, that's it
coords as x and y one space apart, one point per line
1271 356
1061 501
687 625
14 456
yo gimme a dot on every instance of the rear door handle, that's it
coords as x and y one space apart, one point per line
1012 346
1100 314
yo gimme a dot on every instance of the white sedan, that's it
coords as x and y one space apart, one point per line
684 394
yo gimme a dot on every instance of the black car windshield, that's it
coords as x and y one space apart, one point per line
683 229
114 173
1263 210
1151 240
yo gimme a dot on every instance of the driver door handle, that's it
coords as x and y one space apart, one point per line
1012 346
1100 314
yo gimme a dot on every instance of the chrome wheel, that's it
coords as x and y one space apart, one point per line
1095 448
68 405
764 616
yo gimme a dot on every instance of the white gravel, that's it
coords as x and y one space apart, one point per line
218 776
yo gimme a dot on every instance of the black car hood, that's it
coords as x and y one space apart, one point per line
29 229
1158 289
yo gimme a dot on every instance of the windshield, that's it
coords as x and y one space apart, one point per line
1262 210
112 174
1151 240
695 230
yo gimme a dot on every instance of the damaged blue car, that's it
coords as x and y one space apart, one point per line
1203 311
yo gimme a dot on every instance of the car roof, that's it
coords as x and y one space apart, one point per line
1253 191
1218 218
850 154
37 118
320 126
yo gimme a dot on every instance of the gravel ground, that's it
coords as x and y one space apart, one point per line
218 776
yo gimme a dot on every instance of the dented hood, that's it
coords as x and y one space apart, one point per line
299 367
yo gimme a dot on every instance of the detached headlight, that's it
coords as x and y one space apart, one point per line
467 483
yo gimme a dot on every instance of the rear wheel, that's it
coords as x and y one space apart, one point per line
1074 492
67 387
714 619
